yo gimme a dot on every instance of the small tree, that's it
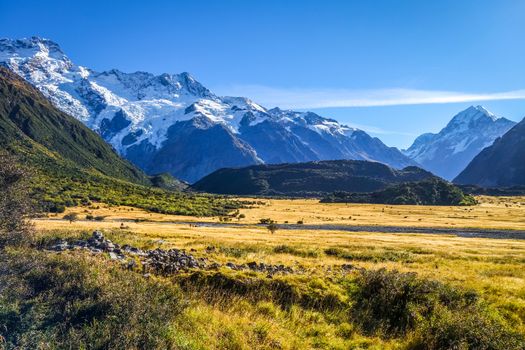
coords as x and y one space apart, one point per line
71 217
15 204
241 216
272 227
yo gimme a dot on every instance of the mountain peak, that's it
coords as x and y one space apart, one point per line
35 43
473 113
449 151
190 84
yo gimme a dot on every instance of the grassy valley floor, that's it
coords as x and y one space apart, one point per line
224 312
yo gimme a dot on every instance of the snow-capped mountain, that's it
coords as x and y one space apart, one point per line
499 165
171 123
448 152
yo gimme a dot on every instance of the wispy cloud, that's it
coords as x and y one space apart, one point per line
380 131
326 98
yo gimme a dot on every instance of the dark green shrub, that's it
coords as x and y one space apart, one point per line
392 302
71 217
471 328
272 228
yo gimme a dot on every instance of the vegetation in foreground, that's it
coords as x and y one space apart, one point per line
427 192
71 300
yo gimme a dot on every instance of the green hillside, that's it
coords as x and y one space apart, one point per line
40 134
308 179
427 192
72 165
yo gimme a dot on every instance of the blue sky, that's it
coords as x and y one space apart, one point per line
393 68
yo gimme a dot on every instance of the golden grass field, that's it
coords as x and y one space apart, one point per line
492 267
492 212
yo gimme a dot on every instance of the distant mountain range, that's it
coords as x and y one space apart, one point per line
308 179
500 165
448 152
172 123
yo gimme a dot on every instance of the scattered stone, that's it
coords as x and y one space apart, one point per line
160 261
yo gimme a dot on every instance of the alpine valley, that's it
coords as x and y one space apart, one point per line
170 123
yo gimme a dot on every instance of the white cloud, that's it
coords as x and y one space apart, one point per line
326 98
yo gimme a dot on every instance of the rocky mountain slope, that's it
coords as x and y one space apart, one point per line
308 179
448 152
500 165
171 123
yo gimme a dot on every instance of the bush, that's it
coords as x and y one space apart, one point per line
78 303
393 304
56 208
272 228
472 328
71 217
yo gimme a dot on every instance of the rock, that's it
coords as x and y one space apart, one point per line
61 246
160 261
98 236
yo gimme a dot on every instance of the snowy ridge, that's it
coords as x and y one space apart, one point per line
135 112
448 152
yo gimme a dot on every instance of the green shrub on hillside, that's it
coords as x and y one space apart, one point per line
53 194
